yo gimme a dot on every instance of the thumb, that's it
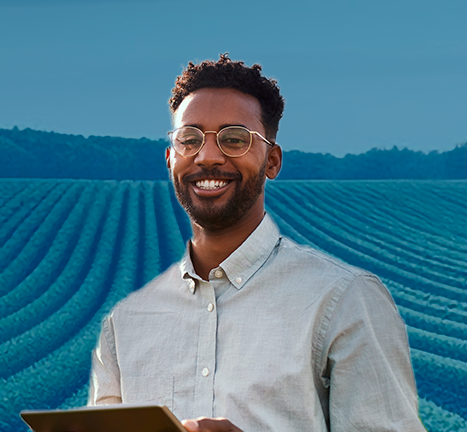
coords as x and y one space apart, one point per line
190 425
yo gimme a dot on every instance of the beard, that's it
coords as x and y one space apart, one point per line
214 217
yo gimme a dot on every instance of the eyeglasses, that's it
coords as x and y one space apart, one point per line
233 141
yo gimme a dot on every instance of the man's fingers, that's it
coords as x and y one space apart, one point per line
204 424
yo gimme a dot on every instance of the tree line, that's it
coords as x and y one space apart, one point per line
35 154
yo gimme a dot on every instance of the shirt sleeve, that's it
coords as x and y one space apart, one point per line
104 385
367 363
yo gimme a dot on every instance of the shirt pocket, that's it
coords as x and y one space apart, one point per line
157 389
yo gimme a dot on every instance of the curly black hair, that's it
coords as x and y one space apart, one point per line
226 73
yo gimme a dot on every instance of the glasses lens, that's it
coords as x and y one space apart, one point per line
187 140
234 141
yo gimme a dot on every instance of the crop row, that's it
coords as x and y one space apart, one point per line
38 244
53 255
376 227
404 211
20 199
77 257
170 240
394 208
17 231
437 419
444 381
433 305
444 346
422 320
10 189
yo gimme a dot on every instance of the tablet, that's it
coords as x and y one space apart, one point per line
115 418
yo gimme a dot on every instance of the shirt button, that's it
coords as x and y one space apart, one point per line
210 307
238 280
218 274
205 372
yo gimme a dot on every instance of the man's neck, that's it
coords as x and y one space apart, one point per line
210 248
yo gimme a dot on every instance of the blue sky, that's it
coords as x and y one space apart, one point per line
355 74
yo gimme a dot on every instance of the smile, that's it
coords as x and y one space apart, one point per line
211 184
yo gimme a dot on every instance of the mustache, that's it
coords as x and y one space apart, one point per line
213 173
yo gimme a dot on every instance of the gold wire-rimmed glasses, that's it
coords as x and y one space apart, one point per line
233 141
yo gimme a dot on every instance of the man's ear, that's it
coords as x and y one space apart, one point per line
167 161
274 162
167 157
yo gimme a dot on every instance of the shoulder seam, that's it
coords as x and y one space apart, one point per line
348 268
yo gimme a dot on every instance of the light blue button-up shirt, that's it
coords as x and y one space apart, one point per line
280 338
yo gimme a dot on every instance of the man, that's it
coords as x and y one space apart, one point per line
249 326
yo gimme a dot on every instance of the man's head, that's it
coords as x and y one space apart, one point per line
226 73
217 190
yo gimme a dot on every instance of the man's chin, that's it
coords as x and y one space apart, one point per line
213 219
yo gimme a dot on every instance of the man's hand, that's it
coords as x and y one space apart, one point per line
203 424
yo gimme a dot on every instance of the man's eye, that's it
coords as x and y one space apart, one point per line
190 141
233 142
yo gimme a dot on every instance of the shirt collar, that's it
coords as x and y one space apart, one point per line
245 261
187 271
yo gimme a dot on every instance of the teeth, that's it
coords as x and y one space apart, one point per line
210 184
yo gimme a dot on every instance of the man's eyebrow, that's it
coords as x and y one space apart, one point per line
195 125
229 125
200 127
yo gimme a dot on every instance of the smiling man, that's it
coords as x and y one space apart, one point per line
218 164
251 331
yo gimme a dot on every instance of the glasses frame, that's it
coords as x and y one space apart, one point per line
170 134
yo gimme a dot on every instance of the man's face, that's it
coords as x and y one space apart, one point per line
238 187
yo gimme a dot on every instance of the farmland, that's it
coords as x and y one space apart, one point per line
70 249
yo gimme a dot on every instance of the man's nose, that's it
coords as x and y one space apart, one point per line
210 154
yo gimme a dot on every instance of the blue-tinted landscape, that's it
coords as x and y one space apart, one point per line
375 167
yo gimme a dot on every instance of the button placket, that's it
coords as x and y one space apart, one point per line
206 359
